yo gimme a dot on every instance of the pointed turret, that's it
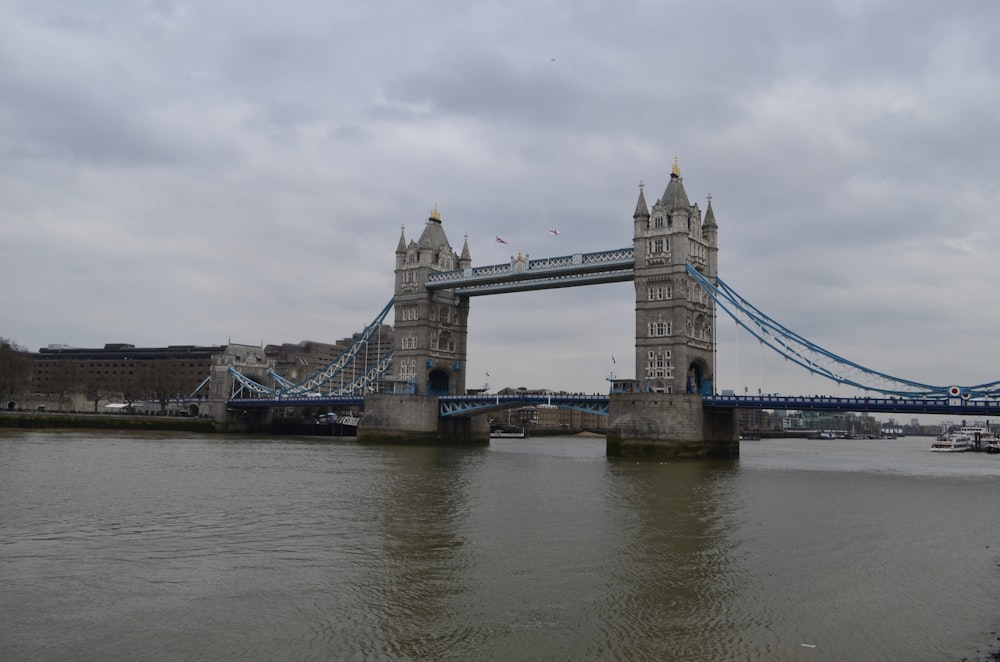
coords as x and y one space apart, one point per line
641 210
710 215
465 261
710 230
401 247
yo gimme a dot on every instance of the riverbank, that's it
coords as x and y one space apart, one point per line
57 420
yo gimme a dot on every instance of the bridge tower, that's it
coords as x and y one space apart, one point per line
660 413
429 349
674 318
432 326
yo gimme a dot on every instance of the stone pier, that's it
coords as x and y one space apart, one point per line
413 419
668 426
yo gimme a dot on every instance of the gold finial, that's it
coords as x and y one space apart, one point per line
676 170
435 214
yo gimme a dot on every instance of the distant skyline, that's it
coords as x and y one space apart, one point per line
188 173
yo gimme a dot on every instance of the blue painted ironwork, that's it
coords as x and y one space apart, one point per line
904 405
612 266
287 390
468 405
337 366
311 401
243 383
822 362
452 406
200 386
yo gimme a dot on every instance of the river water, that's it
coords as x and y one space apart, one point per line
118 546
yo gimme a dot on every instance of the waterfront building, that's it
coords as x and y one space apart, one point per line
120 372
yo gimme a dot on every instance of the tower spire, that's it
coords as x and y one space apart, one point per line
641 209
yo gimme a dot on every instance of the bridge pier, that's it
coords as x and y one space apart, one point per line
243 420
668 426
414 419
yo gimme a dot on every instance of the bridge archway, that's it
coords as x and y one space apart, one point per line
438 382
698 378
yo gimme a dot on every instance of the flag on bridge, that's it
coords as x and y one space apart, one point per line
613 358
500 240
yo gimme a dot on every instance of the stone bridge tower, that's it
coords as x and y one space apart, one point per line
661 412
432 326
674 318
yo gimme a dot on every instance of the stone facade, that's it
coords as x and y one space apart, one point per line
431 326
674 319
413 419
660 413
669 425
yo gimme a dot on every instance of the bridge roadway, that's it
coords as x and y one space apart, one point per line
467 405
944 406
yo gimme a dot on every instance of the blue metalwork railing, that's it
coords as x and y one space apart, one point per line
467 405
915 405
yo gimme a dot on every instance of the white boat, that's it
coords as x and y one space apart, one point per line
497 434
978 433
952 443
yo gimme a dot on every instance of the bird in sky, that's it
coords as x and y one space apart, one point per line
554 233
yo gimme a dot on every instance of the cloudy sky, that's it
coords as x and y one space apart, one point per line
181 172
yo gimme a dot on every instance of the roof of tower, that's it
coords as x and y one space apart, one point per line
433 236
641 209
674 196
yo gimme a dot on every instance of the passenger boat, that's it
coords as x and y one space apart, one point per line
500 434
952 443
978 433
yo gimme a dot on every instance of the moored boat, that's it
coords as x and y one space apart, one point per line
499 434
952 443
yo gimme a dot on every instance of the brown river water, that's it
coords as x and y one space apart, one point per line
121 546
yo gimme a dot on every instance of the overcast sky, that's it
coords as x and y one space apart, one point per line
181 172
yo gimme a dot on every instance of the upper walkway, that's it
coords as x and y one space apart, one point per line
522 274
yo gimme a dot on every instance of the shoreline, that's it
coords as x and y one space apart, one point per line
77 420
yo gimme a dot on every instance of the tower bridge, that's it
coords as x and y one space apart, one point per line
416 391
423 397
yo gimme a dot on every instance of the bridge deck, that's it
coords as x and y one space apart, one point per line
468 405
945 406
